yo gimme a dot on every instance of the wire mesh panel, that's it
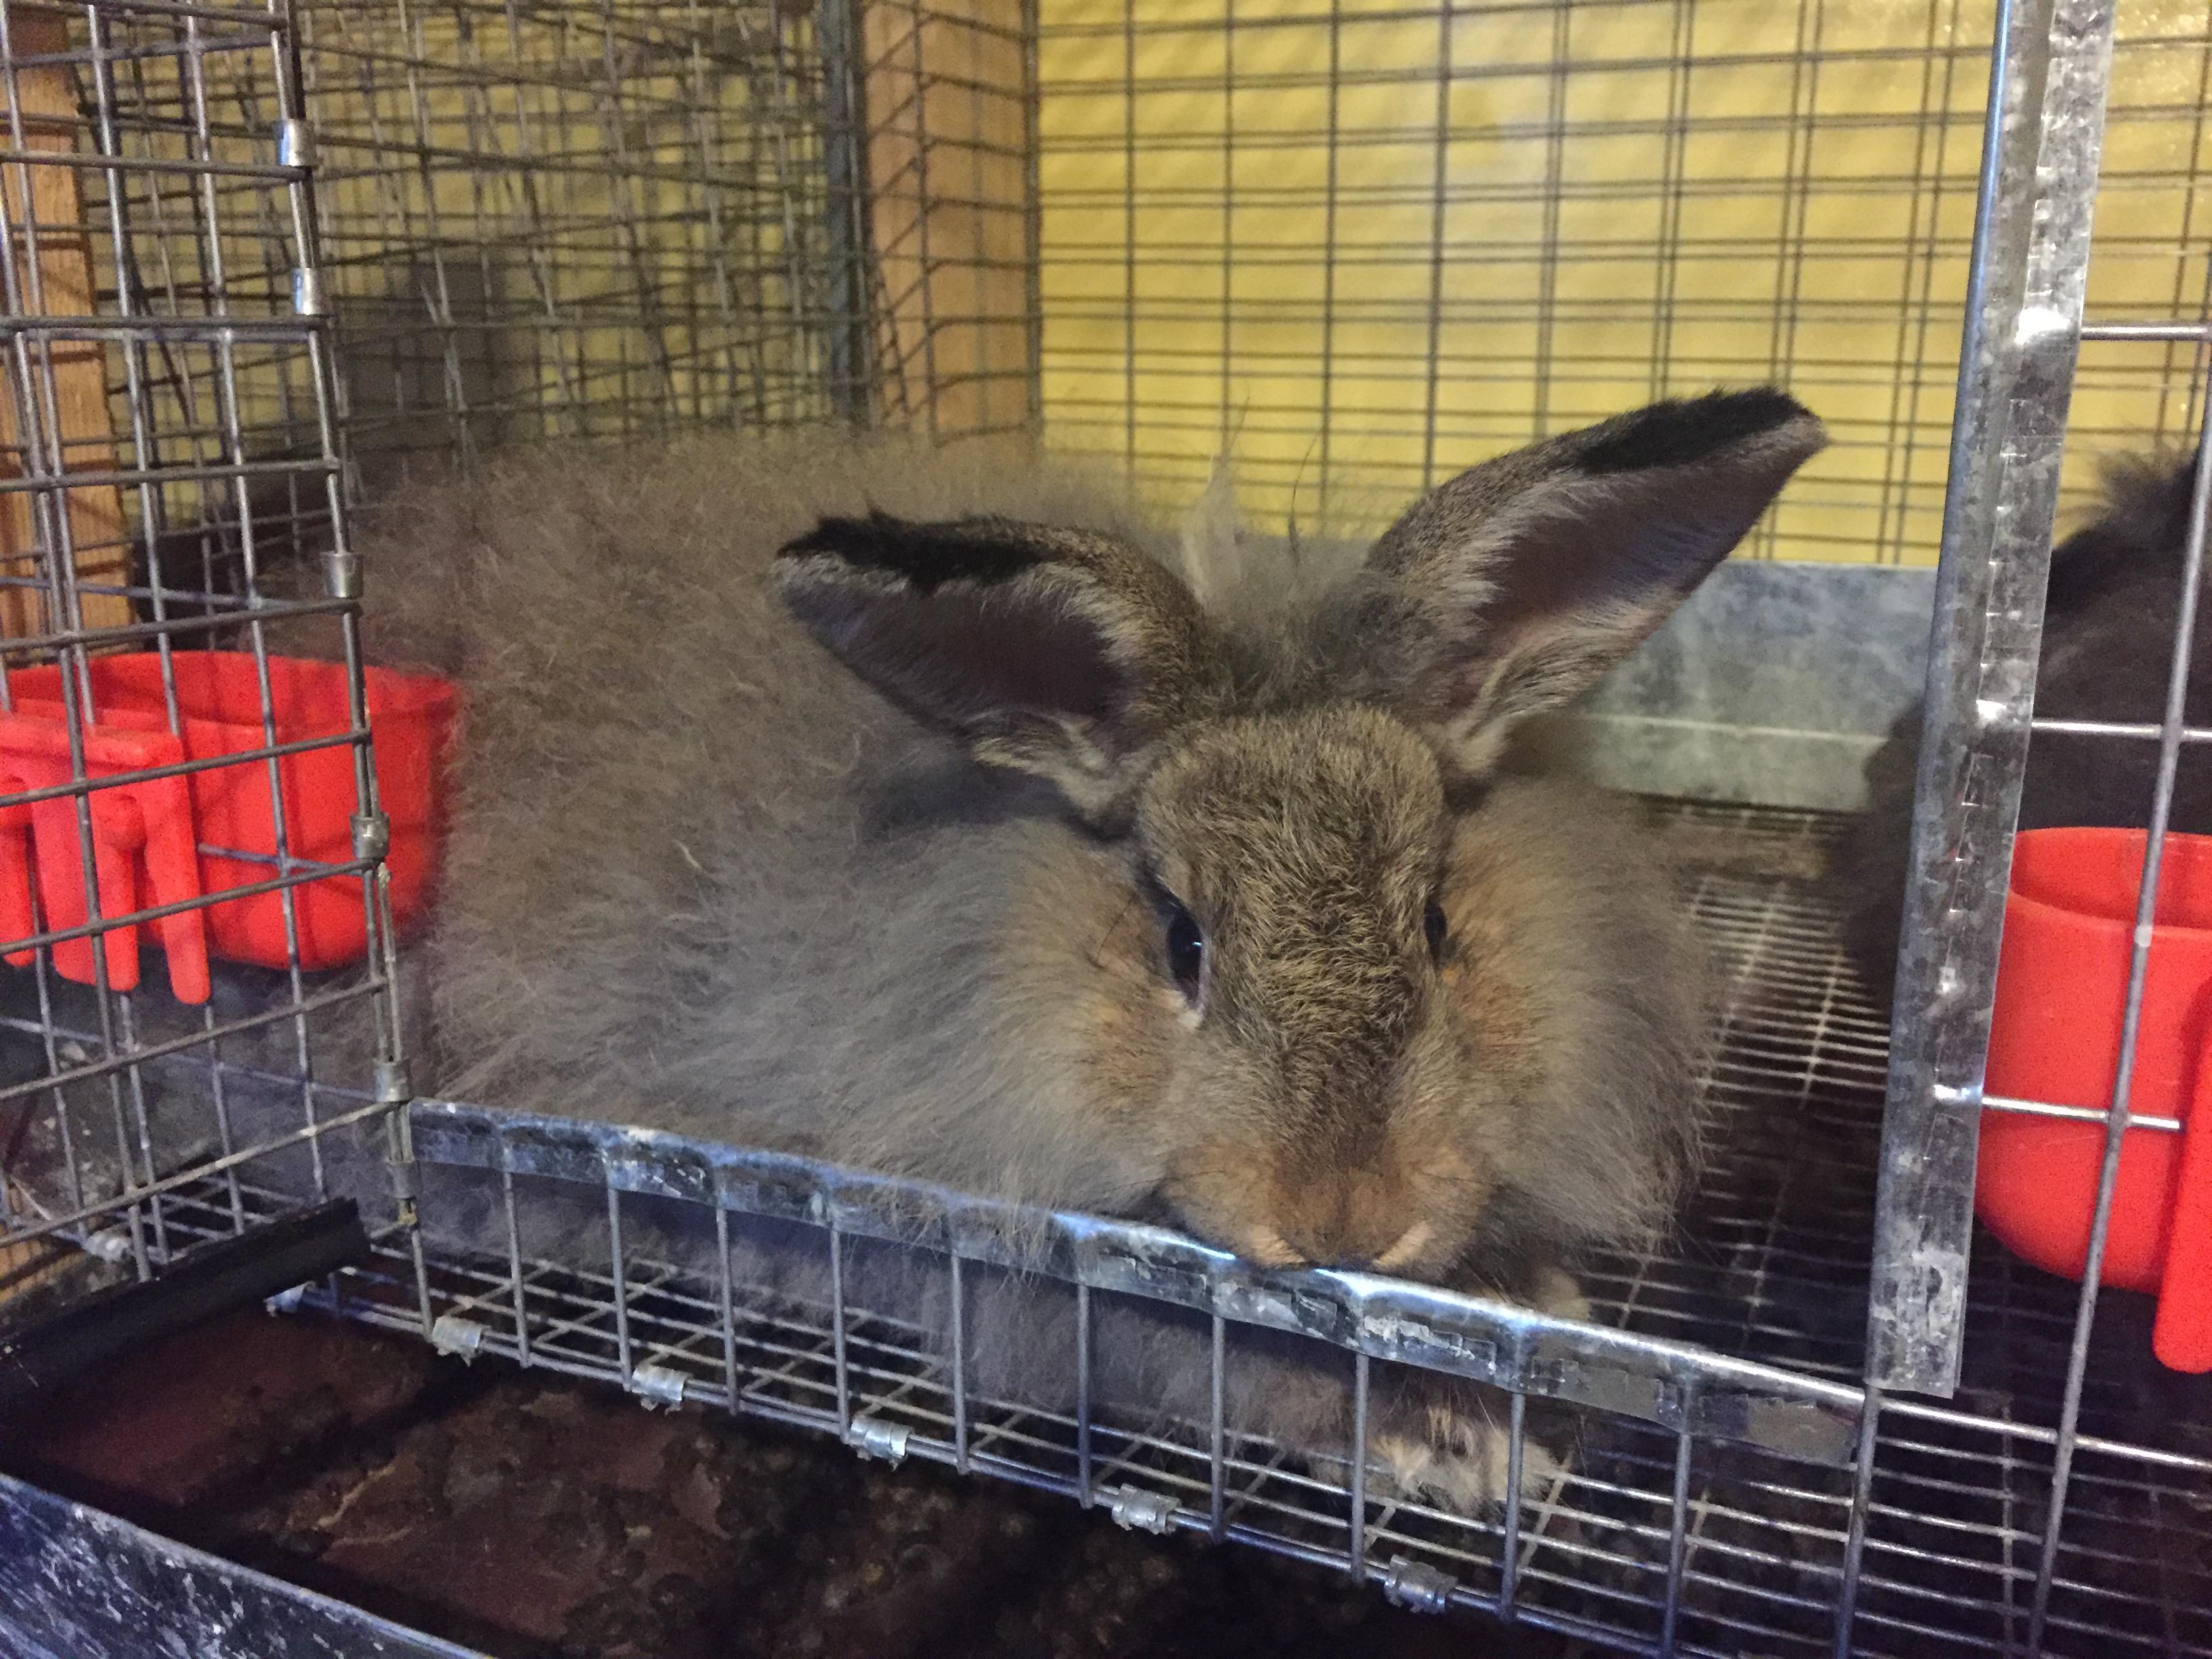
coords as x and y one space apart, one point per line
2113 1429
669 1267
1359 247
549 222
950 98
1685 1466
169 451
503 223
552 221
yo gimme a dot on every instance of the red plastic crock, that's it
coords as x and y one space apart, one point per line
164 841
2055 1037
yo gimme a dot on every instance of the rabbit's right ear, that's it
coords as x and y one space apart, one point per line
1512 587
1062 652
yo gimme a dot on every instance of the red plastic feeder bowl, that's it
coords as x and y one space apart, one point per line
154 840
2061 988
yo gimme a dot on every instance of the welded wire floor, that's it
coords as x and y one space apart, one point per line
1770 1263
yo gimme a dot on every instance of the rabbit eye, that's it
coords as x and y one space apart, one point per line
1434 925
1186 950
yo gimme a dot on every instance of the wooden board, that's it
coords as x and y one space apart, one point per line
68 380
948 179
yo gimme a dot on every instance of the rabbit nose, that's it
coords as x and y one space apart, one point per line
1356 1221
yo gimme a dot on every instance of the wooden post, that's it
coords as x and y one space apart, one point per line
947 98
68 380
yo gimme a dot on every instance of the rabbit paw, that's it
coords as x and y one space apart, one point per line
1461 1463
1455 1451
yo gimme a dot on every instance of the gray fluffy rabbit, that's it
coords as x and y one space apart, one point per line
2107 649
965 844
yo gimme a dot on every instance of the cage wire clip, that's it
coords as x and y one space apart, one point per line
1135 1510
872 1437
395 1088
296 143
341 573
1417 1587
111 1244
456 1334
372 835
656 1385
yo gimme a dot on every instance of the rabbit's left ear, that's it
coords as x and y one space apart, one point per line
1514 586
1063 652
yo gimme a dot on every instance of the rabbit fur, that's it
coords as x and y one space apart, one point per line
1048 882
2107 651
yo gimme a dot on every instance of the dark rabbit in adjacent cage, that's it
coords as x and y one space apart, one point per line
1231 916
2108 621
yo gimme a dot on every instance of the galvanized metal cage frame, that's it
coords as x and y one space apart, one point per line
636 215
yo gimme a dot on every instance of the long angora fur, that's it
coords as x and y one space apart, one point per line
1060 887
698 880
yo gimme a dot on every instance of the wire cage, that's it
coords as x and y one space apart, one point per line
261 260
170 434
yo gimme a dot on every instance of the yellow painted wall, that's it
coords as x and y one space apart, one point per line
1717 193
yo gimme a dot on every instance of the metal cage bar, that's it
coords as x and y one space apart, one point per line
2015 380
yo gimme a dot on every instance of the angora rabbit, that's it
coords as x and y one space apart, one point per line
2107 647
1008 865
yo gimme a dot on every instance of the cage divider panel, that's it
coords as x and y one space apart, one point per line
175 449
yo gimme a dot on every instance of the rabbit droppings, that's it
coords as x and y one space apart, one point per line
2107 649
1045 881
